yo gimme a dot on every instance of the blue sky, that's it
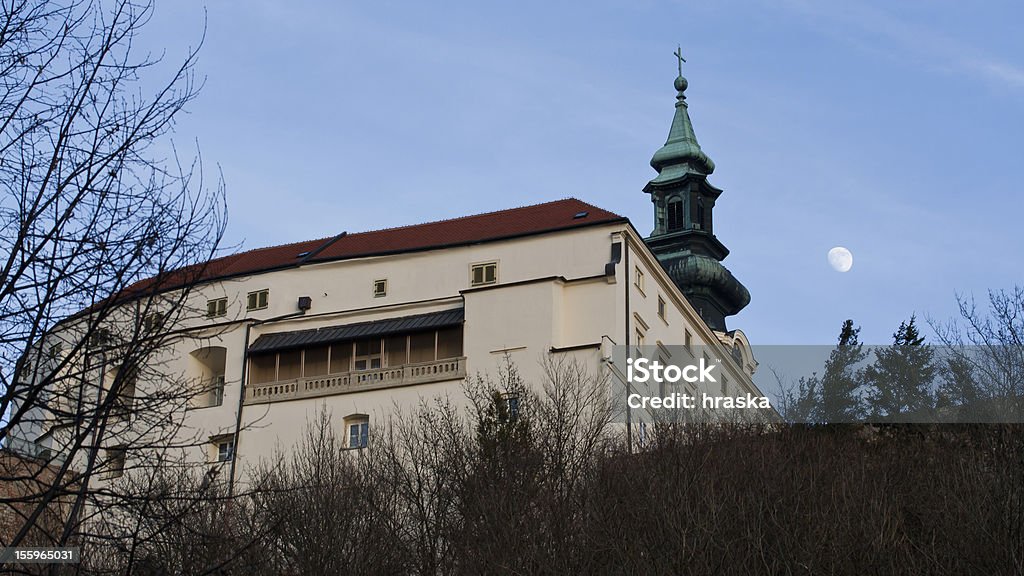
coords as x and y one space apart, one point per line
893 129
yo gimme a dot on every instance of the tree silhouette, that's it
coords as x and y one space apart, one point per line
900 380
839 400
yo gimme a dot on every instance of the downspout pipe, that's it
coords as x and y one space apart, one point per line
629 387
236 439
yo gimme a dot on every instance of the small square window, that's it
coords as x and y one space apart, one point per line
661 307
153 322
483 274
225 450
100 337
380 288
222 448
257 300
217 307
638 280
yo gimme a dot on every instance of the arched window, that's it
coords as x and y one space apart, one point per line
675 214
207 367
700 215
737 353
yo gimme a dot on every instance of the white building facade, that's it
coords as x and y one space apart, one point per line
362 323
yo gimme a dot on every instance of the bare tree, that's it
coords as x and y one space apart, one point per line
991 344
104 231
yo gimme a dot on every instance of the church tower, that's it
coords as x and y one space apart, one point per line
684 232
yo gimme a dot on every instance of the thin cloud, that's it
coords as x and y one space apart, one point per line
1001 72
866 26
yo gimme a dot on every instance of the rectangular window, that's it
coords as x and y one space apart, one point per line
638 280
688 340
341 357
257 300
725 386
380 288
222 448
675 215
116 458
512 404
289 364
215 308
358 432
217 391
421 347
661 307
153 322
483 274
639 338
367 356
125 397
263 368
397 350
449 342
100 337
314 363
663 385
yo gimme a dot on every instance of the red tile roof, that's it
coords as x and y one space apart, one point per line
524 221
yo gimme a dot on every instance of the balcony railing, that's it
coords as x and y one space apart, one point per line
331 384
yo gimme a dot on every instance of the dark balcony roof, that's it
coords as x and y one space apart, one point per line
320 336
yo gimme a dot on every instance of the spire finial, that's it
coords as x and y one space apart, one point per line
679 56
680 82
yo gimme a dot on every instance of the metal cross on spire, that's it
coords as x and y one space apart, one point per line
679 55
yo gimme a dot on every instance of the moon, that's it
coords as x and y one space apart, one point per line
840 259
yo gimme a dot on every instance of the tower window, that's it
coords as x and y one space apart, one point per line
700 215
675 214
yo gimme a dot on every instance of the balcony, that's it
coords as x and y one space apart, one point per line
358 381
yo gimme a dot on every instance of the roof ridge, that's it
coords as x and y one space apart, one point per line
406 226
457 218
275 246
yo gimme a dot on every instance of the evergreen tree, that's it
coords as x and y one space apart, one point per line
901 377
959 386
840 401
